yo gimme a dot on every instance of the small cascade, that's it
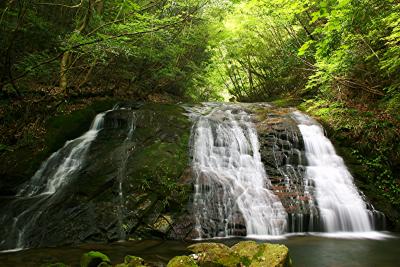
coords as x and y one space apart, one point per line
36 196
232 195
341 206
53 174
127 147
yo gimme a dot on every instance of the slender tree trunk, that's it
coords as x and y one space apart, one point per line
63 72
65 63
87 76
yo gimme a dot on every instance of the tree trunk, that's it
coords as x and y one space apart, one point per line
63 72
65 63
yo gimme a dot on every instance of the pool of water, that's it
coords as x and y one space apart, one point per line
305 251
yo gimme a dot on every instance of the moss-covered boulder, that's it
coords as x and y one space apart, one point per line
214 254
95 259
246 253
182 261
132 261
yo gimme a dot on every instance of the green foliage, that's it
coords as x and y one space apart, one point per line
254 52
136 48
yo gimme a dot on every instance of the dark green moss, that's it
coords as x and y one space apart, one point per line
93 259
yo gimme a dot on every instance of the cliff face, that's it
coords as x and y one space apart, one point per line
128 184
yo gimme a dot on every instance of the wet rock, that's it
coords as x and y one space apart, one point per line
282 152
122 186
95 259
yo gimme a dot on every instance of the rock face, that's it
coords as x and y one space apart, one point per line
132 184
282 152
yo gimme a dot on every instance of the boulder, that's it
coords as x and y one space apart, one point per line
132 261
95 259
182 261
246 253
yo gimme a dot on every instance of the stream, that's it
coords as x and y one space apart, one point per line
305 251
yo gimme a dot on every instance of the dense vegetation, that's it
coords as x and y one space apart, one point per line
342 56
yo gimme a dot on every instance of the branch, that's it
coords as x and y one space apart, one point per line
61 5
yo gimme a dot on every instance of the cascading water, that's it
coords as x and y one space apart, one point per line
340 204
310 188
231 187
53 174
282 150
127 147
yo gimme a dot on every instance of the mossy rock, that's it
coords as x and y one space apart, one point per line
182 261
246 253
246 248
132 261
271 255
94 259
215 254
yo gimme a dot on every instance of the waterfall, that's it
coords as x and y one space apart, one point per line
340 204
231 186
36 195
53 174
121 175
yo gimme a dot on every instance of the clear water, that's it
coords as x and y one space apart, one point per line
305 251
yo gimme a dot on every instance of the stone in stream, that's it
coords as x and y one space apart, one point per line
94 259
132 261
246 253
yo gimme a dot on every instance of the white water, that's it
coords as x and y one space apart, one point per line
341 205
230 177
53 174
127 148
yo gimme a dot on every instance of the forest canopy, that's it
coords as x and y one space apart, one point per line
255 50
